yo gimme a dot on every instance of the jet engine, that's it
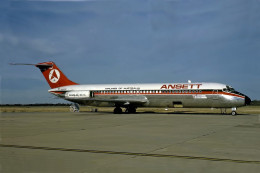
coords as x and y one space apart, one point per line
78 94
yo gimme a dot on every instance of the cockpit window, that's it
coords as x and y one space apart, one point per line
231 90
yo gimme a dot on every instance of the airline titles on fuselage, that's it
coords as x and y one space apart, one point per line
164 86
181 86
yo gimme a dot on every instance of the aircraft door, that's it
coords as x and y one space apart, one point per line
91 94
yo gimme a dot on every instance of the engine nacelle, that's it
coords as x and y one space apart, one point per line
77 94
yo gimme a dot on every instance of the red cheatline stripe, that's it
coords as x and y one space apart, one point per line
169 93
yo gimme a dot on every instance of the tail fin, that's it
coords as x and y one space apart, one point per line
54 75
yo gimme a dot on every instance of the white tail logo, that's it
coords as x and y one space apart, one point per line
54 76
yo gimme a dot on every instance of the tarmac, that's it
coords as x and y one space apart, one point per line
89 142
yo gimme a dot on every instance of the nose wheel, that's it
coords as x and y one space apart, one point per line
234 111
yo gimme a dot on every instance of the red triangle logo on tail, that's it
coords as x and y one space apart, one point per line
54 75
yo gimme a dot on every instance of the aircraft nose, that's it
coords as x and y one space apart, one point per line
247 100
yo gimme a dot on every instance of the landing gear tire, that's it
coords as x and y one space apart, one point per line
233 113
131 110
117 110
74 108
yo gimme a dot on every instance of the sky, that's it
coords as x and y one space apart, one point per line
128 41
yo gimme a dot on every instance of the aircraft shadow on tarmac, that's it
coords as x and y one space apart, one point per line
170 112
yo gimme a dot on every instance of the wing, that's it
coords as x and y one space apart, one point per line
118 100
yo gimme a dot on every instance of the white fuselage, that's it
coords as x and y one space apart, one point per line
212 95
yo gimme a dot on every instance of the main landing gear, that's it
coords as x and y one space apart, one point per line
117 110
129 109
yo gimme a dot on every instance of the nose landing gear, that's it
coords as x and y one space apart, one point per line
234 113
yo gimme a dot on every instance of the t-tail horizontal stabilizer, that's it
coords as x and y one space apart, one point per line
53 75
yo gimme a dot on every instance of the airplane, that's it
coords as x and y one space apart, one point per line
132 96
